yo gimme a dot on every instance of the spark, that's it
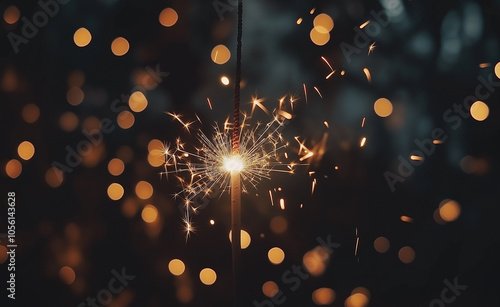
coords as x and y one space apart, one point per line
212 222
368 74
285 114
209 103
317 90
224 80
271 197
305 91
342 72
437 142
329 75
484 65
363 141
282 204
336 168
326 124
312 10
178 118
299 21
371 48
356 248
364 24
257 103
416 158
363 122
210 166
326 61
313 186
406 219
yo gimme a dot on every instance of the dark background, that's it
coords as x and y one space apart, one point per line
413 65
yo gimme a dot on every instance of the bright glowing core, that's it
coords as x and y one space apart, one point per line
233 164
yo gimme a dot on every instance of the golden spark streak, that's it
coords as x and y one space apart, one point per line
305 91
363 141
371 48
364 24
271 197
313 186
312 10
282 204
326 61
209 103
484 65
363 122
437 142
326 124
317 90
299 21
416 158
329 75
368 74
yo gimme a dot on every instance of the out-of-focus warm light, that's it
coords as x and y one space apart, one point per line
76 78
155 145
245 238
383 107
54 177
416 158
315 260
75 96
30 113
212 222
168 17
276 255
13 168
278 224
270 288
11 14
67 275
220 54
125 119
406 219
406 254
449 210
323 23
26 150
479 111
116 167
82 37
115 191
361 290
497 70
144 190
357 300
91 123
137 102
323 296
184 294
224 80
149 214
120 46
68 121
156 160
381 244
233 164
129 207
319 38
176 267
437 218
208 276
3 254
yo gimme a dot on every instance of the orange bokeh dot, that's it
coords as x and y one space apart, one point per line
13 168
11 14
120 46
168 17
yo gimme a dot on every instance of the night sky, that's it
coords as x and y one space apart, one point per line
395 121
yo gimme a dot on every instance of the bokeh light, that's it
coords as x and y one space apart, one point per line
149 214
208 276
383 107
315 260
245 238
176 267
479 111
120 46
270 288
278 224
276 255
68 121
406 254
357 300
82 37
168 17
449 210
115 191
220 54
323 23
497 70
137 102
319 38
11 14
3 254
67 275
323 296
26 150
116 167
13 168
125 119
54 177
224 80
144 190
75 96
381 244
30 113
